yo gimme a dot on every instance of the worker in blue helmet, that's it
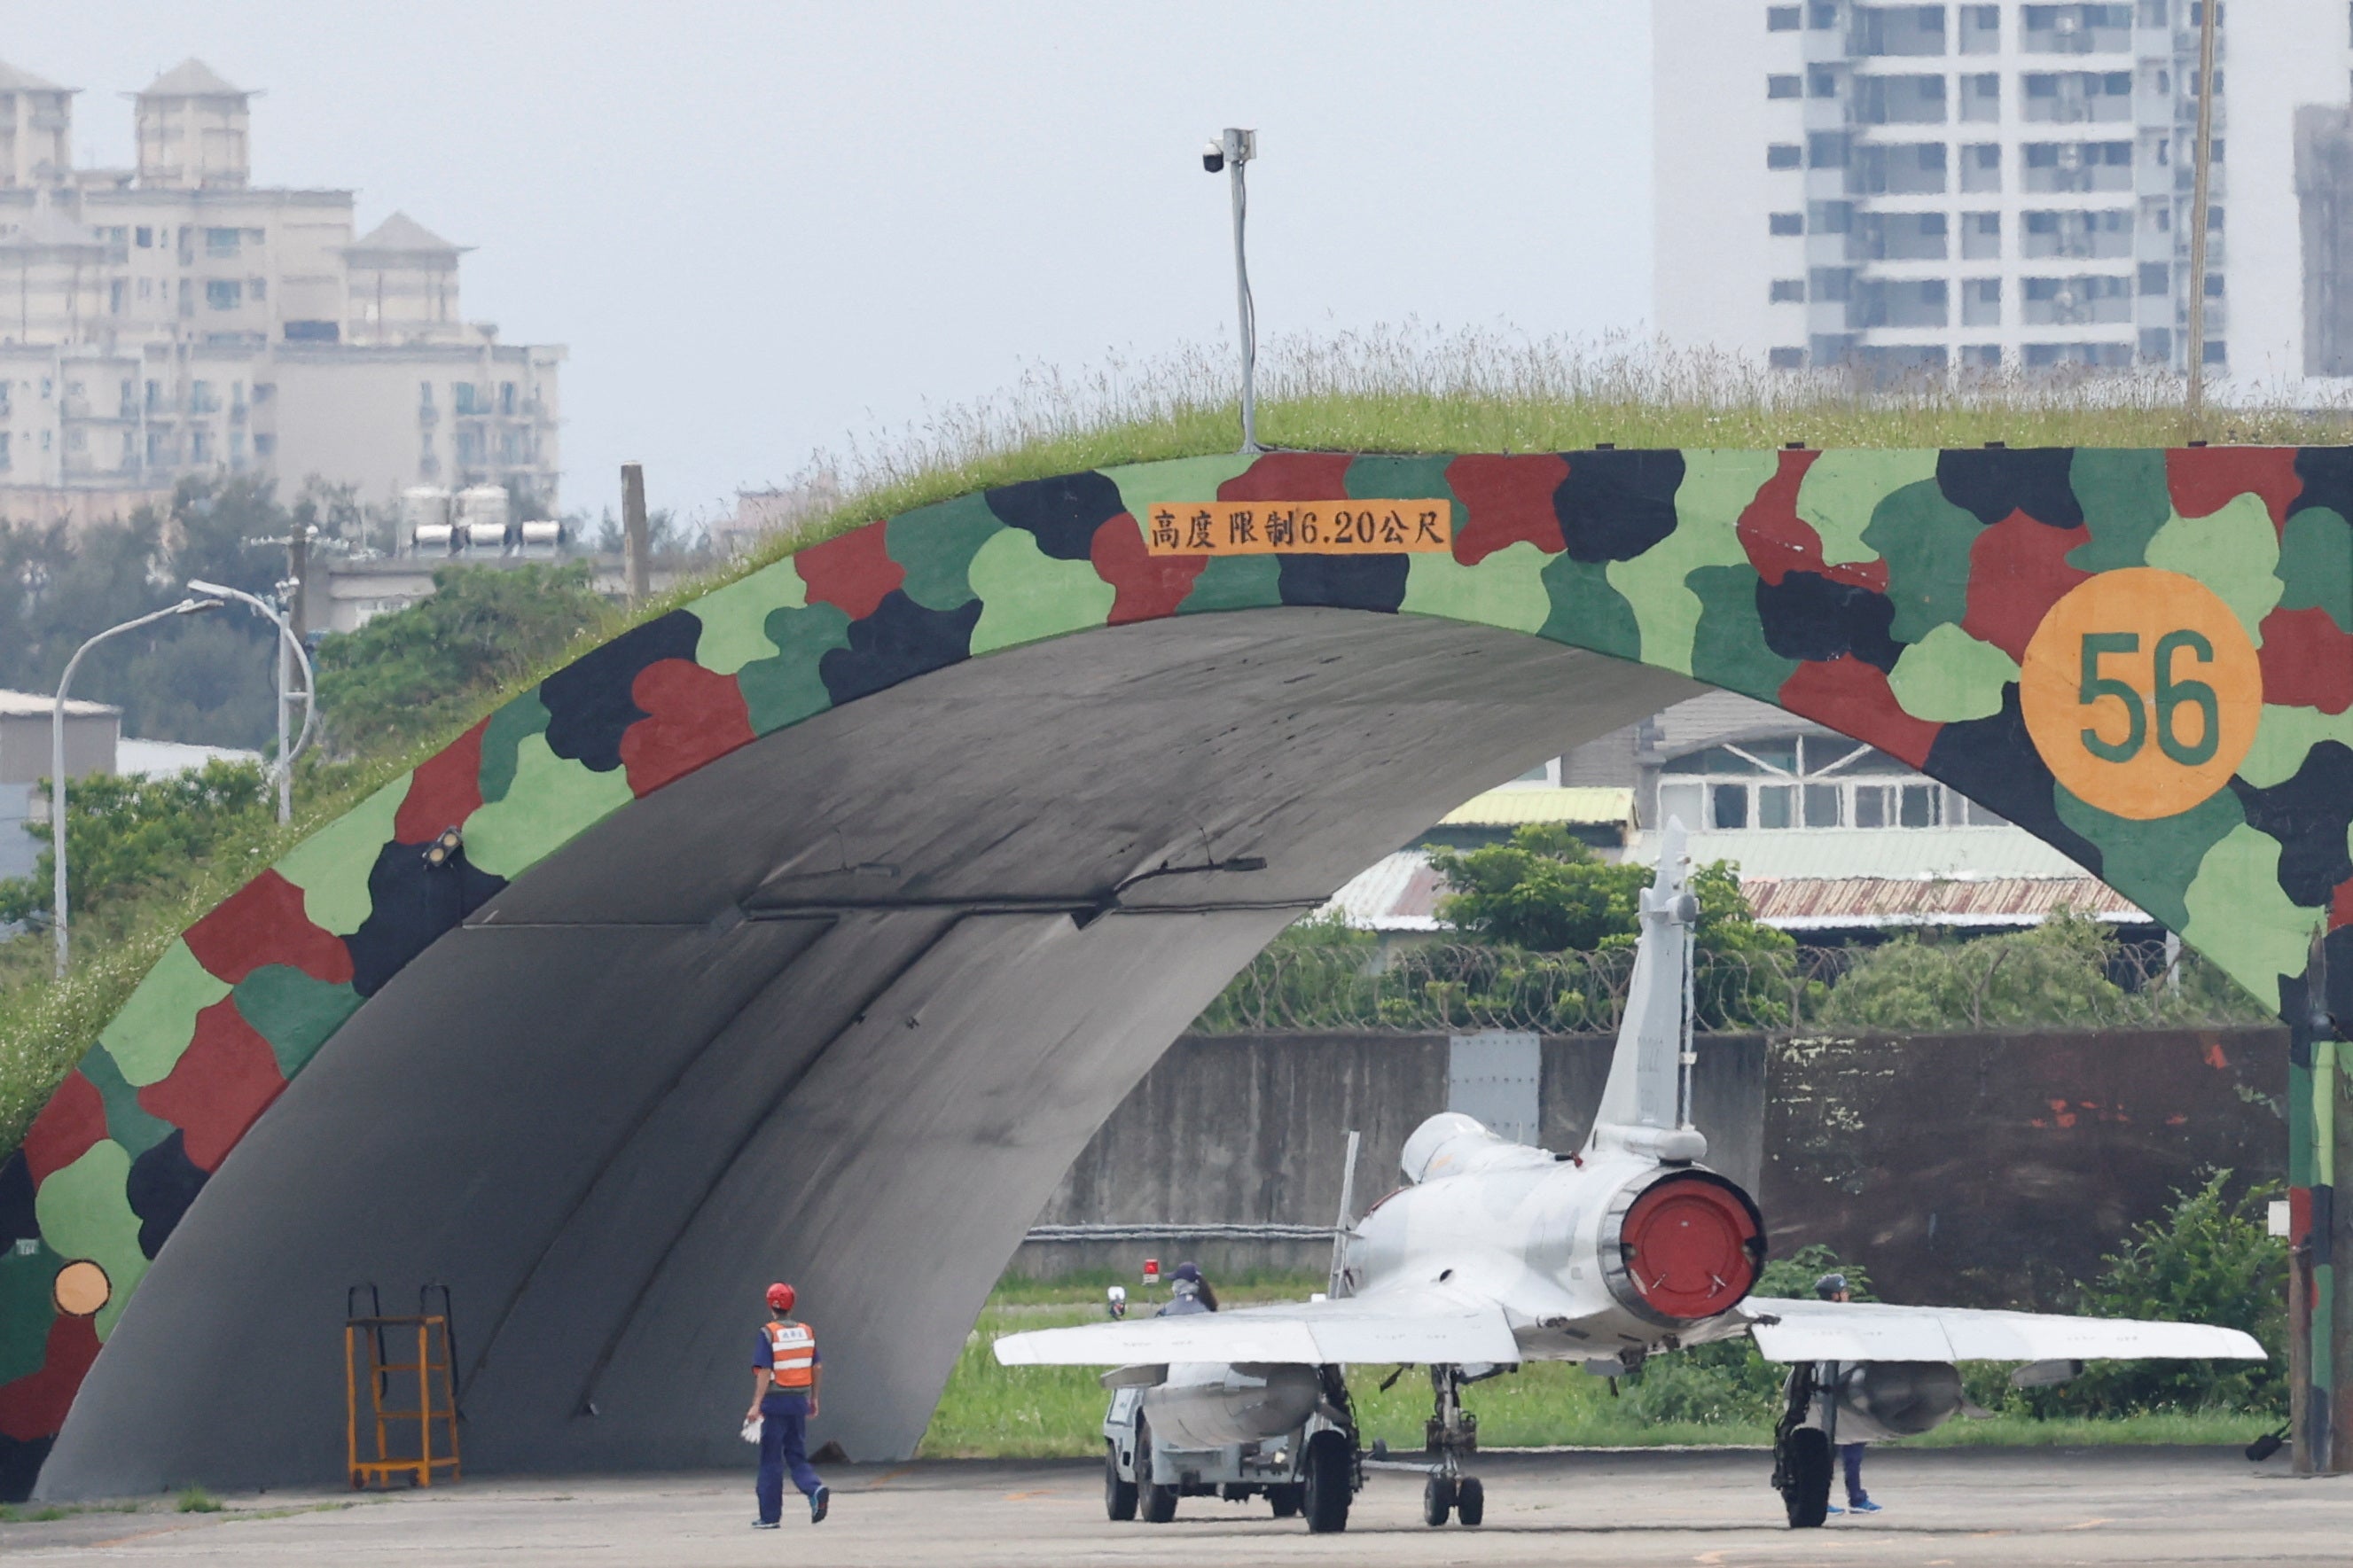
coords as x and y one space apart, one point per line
1834 1288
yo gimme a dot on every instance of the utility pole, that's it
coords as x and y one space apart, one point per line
2194 354
1231 152
633 531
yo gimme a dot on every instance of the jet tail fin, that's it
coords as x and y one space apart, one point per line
1642 1104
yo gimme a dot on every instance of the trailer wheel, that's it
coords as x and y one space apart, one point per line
1805 1472
1157 1498
1286 1500
1470 1502
1119 1496
1326 1492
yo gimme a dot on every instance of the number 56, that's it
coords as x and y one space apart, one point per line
2172 695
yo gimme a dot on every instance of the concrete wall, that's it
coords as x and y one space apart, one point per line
1974 1170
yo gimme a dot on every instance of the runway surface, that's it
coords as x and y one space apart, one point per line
1955 1506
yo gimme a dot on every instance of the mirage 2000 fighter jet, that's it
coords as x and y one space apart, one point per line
1496 1254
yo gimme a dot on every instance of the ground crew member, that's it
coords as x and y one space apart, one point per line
785 1371
1833 1288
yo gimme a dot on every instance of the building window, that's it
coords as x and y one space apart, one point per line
1980 237
6 461
1788 291
1786 359
1897 237
1829 217
1897 169
1898 302
1897 30
1981 98
257 289
1784 156
1981 168
1828 150
264 443
118 296
1786 223
1781 18
202 398
1980 301
222 241
2213 285
461 397
2086 356
2155 279
2078 165
2217 353
200 447
2072 97
2076 302
222 293
1981 356
507 397
2104 235
1822 83
1980 29
1821 16
2156 345
1790 782
1782 86
424 394
145 238
2077 30
1898 100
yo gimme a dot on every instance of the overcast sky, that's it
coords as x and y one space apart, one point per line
761 227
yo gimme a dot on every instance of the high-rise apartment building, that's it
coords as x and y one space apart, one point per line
1909 188
174 318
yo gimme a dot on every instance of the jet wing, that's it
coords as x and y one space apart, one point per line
1877 1331
1417 1326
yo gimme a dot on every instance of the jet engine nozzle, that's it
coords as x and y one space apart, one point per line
1681 1246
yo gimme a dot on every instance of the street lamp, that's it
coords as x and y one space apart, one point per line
1230 152
288 642
57 754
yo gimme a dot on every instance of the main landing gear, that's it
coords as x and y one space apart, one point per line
1802 1459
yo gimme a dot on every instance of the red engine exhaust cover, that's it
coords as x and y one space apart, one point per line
1693 1243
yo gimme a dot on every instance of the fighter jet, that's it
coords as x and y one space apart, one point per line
1496 1254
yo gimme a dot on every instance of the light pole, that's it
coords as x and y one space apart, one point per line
287 642
1230 152
58 756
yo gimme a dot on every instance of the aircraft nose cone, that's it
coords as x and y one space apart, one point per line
1690 1246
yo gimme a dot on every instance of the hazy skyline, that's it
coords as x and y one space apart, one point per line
763 228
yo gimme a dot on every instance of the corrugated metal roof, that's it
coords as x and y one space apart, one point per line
1895 877
1822 903
1513 806
1872 852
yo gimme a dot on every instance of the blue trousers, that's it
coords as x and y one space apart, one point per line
1851 1455
784 1445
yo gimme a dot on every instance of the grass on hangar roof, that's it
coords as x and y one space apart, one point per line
1410 389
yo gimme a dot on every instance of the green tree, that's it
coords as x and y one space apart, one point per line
1548 891
127 837
417 671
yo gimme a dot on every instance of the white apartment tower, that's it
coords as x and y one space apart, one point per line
1909 188
176 319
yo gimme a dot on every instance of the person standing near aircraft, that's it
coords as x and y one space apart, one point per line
1833 1288
1189 1293
786 1372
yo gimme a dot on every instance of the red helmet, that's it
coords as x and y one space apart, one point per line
782 1297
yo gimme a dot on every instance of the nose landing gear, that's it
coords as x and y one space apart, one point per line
1453 1435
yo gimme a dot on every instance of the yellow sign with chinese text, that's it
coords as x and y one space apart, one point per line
1300 528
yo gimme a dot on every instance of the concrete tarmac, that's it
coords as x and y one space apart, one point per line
1947 1507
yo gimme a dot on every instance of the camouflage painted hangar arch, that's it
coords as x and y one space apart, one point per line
773 941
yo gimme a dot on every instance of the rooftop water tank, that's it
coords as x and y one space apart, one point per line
425 519
482 516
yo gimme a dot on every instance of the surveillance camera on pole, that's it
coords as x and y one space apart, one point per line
1230 154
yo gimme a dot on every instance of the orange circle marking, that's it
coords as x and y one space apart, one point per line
2141 693
81 1289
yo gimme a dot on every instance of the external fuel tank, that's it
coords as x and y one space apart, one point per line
1209 1405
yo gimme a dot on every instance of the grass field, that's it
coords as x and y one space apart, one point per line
992 1411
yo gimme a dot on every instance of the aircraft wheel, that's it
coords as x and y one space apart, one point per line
1437 1499
1119 1496
1329 1487
1158 1501
1805 1462
1285 1500
1470 1502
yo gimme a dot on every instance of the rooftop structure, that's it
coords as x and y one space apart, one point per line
176 319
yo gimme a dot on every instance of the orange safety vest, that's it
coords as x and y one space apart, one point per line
792 1350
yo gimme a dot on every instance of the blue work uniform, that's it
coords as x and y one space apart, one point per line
783 1436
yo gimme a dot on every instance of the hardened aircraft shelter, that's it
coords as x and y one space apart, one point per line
808 931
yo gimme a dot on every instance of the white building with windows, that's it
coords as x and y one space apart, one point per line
1903 187
176 319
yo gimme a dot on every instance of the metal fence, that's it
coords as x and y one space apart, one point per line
1911 987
